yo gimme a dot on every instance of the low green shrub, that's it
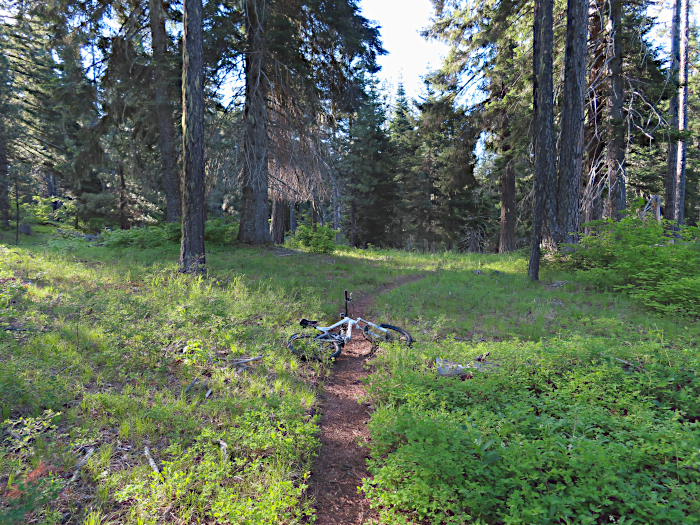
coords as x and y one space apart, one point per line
216 232
644 258
319 239
556 432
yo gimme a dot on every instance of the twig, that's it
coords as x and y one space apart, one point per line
150 460
80 465
640 368
247 360
191 384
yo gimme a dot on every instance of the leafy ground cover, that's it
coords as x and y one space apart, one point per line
98 348
588 413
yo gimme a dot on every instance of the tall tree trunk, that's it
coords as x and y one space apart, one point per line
506 242
617 200
254 227
336 213
593 202
353 226
508 218
543 100
123 219
17 210
293 217
4 180
672 165
164 114
279 208
192 259
572 121
679 197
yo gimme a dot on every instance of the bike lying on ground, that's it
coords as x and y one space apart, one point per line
329 344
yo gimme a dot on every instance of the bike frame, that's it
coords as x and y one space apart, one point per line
350 322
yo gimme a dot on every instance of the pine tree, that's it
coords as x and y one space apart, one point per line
367 169
617 201
297 38
164 112
672 163
543 97
192 258
681 179
572 120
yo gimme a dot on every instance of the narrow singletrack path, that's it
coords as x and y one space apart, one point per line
341 464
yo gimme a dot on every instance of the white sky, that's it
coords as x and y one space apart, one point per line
410 56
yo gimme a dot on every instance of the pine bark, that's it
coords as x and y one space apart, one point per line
123 219
615 160
192 258
679 200
164 114
254 227
4 180
594 133
508 218
543 95
672 164
293 217
573 120
279 208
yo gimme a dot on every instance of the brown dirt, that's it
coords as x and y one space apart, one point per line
341 464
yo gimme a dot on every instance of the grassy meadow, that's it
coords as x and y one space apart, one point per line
587 414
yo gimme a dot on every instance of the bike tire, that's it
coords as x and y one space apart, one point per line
313 348
395 335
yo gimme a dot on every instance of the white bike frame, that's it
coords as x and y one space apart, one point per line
350 322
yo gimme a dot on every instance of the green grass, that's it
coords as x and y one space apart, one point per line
114 336
104 343
588 414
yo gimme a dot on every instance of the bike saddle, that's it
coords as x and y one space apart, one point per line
306 322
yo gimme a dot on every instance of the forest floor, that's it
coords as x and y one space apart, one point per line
100 348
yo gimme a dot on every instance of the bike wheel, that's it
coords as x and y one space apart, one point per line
310 347
394 334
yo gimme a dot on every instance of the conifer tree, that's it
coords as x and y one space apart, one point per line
572 120
164 112
192 258
617 201
543 98
289 45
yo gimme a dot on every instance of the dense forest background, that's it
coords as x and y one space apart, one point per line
542 117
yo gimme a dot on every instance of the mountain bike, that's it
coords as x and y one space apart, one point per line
328 344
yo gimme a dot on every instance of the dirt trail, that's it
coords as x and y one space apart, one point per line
341 464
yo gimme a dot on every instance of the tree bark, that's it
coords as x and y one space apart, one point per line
679 200
507 240
279 208
4 180
336 213
617 200
254 227
293 217
192 258
164 114
572 122
353 227
594 135
543 101
123 219
672 165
